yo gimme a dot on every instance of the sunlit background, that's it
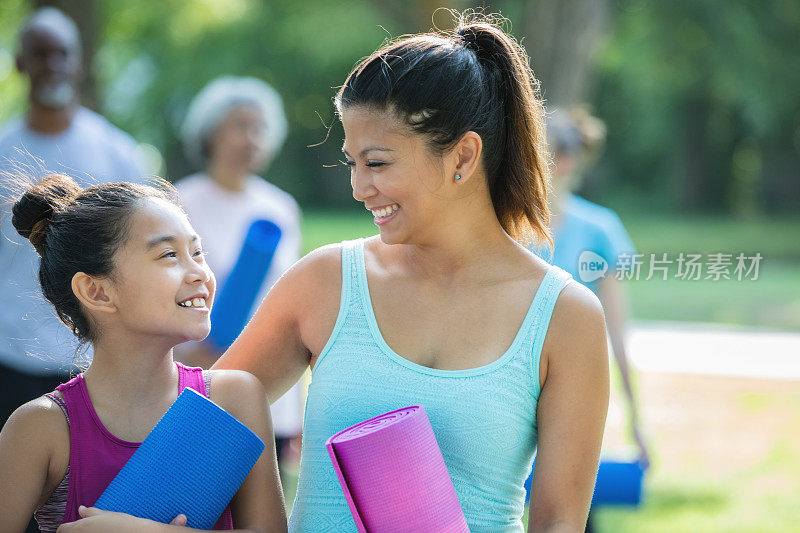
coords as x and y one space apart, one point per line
701 102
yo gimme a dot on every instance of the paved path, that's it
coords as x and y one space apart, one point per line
714 349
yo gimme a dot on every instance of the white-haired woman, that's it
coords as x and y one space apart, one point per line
233 129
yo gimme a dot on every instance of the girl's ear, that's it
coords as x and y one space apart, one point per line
94 293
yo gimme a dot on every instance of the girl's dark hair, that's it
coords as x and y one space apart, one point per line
475 78
78 230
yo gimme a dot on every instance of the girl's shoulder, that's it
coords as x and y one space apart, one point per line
38 431
235 390
40 417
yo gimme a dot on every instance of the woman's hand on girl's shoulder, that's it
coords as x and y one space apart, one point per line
29 442
292 323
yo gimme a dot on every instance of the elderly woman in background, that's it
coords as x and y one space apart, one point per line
233 129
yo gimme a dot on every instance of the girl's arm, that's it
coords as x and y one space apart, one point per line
258 505
571 413
292 323
26 448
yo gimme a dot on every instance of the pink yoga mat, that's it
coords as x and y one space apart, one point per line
394 477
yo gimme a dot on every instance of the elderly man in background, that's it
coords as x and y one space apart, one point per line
55 134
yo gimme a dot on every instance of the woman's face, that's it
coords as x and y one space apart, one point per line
240 141
394 174
161 283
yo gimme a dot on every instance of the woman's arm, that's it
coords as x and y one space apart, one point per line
571 413
292 323
26 447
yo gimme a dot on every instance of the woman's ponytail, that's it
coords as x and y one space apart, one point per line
518 180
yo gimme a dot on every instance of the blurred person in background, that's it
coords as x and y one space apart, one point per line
233 129
55 134
575 138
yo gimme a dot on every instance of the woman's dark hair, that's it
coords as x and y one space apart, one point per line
475 78
78 230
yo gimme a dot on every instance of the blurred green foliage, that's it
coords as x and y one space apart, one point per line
701 102
700 98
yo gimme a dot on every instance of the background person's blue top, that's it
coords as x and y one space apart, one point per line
583 226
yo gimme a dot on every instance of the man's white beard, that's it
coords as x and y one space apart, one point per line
57 96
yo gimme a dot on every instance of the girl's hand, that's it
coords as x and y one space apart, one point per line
93 519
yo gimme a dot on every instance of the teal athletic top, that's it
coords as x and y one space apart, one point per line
484 418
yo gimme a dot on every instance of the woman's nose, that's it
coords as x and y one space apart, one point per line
361 182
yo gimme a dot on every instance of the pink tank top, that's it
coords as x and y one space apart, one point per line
96 456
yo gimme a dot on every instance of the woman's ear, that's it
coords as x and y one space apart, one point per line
94 293
467 154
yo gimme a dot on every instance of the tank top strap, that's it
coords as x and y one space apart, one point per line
351 252
74 404
552 284
191 377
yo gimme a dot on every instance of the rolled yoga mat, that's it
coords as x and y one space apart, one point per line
618 483
393 475
235 300
192 462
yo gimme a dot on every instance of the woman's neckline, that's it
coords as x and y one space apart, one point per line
381 341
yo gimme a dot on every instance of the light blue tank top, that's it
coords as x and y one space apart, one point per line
484 418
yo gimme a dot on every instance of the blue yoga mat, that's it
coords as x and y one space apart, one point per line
618 483
191 463
235 300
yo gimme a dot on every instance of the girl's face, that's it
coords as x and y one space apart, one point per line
394 174
161 283
240 139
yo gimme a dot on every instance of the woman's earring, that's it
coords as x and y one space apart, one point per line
458 177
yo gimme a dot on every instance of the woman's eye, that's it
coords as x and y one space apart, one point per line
169 254
375 163
200 253
348 163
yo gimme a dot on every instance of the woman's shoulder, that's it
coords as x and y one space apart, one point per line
318 271
576 335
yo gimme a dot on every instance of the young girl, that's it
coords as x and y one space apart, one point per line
446 308
125 272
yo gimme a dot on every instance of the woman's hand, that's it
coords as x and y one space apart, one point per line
93 519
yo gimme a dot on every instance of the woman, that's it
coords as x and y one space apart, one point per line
233 129
446 308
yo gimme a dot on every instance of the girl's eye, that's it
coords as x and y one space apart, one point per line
169 254
200 253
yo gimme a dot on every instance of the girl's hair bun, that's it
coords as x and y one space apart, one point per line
34 210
